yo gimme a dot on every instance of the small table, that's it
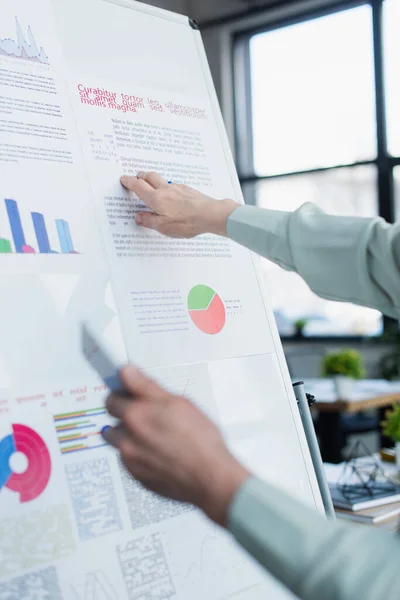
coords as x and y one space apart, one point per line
367 394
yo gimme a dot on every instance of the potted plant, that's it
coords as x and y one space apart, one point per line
391 428
344 367
299 326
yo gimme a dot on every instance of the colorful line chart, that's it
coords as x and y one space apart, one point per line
24 47
30 483
81 430
206 309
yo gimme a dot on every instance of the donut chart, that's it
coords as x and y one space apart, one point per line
206 309
31 483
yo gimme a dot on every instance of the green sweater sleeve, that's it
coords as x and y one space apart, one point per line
314 557
350 259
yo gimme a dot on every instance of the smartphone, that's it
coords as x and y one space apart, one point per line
101 359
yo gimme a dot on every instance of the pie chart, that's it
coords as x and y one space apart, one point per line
206 309
31 483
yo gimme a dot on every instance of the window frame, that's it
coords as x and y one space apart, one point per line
243 141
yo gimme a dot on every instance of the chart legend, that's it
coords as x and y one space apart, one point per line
23 47
81 430
206 309
18 243
30 483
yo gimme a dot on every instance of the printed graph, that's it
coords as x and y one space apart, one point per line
211 564
97 586
206 309
30 483
145 569
93 497
18 242
34 538
24 47
81 430
42 584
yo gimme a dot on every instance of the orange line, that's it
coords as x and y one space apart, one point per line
66 450
69 415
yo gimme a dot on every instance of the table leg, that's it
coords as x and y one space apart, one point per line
384 442
330 436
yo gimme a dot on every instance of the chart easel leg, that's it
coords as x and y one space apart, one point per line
303 402
384 442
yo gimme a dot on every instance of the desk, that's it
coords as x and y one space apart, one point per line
367 394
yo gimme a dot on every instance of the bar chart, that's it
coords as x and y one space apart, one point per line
81 430
18 243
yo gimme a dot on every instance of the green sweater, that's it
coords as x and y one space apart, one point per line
346 259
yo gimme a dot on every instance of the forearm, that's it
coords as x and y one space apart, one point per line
314 557
341 258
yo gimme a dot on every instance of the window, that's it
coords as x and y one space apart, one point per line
338 191
310 125
313 94
392 73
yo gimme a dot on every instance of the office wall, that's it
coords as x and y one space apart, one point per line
180 6
206 10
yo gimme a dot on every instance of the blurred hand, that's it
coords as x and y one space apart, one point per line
178 210
172 447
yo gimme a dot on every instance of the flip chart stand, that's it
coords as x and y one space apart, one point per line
304 408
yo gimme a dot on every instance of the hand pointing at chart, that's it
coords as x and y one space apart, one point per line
178 210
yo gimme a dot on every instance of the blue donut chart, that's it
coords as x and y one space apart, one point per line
32 482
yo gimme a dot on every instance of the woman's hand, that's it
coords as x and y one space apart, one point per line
172 447
178 210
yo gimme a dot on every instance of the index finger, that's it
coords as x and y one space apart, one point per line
141 188
154 179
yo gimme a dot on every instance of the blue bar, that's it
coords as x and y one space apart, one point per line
64 236
15 225
41 233
68 236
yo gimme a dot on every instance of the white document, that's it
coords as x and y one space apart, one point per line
90 91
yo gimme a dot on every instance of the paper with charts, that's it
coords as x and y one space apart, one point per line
89 91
